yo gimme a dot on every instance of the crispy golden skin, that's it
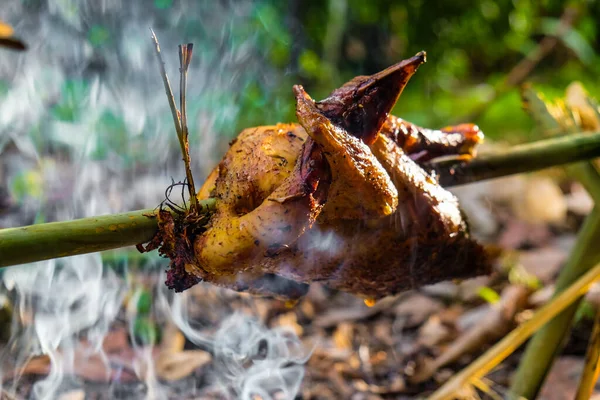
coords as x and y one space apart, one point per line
266 198
355 173
316 202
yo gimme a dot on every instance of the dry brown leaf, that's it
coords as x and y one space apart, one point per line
542 296
495 324
578 200
562 379
173 340
506 189
416 308
434 332
542 202
576 97
115 340
342 336
36 366
289 320
518 233
308 309
382 331
176 366
77 394
335 316
544 262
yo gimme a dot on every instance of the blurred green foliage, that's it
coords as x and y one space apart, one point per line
472 46
488 294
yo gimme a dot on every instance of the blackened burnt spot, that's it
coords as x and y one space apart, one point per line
282 161
273 249
286 228
178 279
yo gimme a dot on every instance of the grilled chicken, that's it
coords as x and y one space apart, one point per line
338 198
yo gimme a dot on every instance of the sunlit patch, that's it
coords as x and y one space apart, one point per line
370 302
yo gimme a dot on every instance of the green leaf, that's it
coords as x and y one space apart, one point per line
537 107
27 184
310 64
73 93
571 38
144 302
585 311
98 35
577 43
146 330
163 4
488 294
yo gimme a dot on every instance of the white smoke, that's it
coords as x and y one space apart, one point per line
58 304
249 359
85 113
255 361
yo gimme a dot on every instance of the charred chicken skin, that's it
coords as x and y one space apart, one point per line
339 198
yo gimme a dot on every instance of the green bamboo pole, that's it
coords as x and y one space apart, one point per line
88 235
61 239
521 158
587 174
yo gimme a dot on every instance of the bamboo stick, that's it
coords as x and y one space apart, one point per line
591 368
87 235
521 158
61 239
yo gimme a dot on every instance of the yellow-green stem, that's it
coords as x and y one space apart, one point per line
591 368
546 344
61 239
521 158
494 356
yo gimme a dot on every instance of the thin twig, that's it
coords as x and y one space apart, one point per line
185 57
180 117
167 84
520 71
